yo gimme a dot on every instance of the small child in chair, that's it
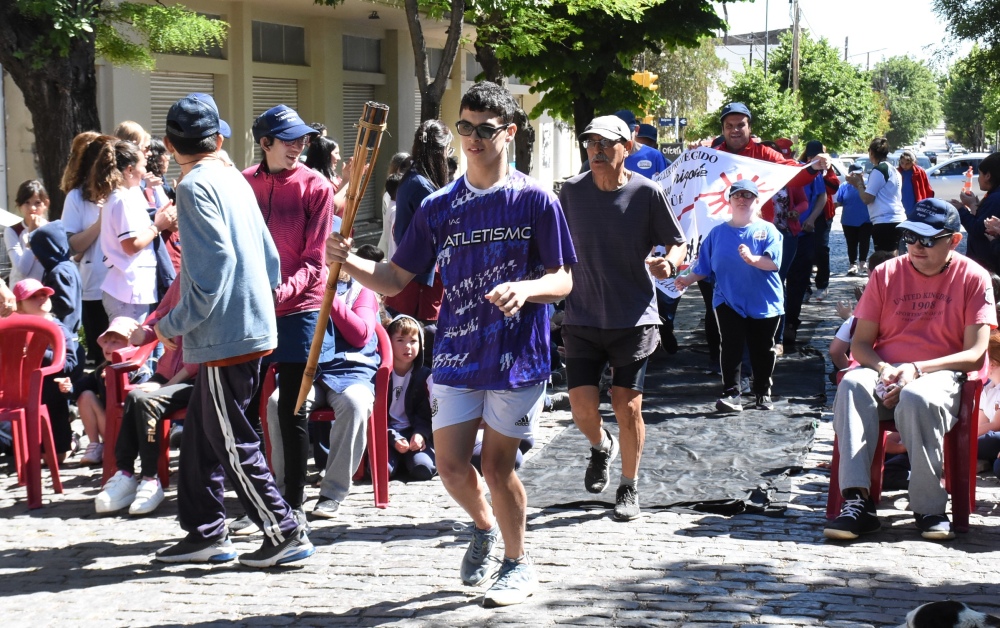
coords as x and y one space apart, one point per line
411 443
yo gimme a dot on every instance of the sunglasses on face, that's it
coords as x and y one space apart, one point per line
743 194
299 143
484 131
925 241
602 144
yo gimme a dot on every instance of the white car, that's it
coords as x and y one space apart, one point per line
948 177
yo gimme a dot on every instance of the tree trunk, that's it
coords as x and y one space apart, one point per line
492 70
431 91
60 94
524 141
583 113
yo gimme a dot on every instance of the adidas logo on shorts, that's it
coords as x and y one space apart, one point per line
523 422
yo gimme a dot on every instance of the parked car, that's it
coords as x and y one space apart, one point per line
948 177
932 156
865 163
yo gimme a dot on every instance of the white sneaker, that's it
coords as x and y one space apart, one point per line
820 295
118 493
147 497
853 270
94 455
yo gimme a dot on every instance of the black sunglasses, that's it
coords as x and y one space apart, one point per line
602 144
925 241
484 131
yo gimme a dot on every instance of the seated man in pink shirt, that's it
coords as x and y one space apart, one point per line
924 321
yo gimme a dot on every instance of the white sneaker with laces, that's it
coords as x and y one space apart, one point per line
148 496
94 454
118 493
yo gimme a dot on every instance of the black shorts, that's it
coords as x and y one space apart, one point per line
589 349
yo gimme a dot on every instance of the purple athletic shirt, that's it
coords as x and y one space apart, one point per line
511 232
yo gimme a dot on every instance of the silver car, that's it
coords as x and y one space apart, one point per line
948 177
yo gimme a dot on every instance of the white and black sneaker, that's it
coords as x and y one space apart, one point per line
200 551
857 516
729 401
296 546
599 469
243 526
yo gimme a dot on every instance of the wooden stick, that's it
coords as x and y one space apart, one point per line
370 127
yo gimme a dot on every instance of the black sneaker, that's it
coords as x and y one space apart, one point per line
764 402
557 401
626 503
935 527
296 546
201 551
243 527
325 508
858 516
729 401
598 471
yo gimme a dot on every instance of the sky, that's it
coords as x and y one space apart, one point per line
874 28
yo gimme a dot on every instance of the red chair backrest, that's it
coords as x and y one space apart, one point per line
23 342
382 376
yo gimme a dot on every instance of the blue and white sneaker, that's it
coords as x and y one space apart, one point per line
295 547
476 562
187 551
515 582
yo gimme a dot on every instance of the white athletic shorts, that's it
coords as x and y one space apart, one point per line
513 413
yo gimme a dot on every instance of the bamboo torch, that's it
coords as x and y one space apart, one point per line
370 128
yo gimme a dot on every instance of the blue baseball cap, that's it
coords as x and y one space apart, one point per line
735 107
224 129
193 118
628 118
745 185
648 131
281 122
930 217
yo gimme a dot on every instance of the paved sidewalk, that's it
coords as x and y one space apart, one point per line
65 566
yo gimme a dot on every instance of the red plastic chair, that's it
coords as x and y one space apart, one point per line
116 376
378 436
960 449
23 342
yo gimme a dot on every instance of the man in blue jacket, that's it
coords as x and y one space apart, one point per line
229 270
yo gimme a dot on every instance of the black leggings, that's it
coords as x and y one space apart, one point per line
294 431
858 239
885 237
757 334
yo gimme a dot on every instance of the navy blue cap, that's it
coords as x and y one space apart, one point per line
855 168
193 118
224 129
735 107
648 131
813 148
743 185
628 118
281 122
930 217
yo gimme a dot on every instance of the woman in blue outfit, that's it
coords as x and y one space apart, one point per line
744 254
983 247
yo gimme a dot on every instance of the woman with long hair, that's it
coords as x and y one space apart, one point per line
323 155
883 195
33 202
389 204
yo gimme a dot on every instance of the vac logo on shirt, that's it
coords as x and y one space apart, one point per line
644 164
481 236
760 235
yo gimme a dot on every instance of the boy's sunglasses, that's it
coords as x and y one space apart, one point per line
484 131
925 241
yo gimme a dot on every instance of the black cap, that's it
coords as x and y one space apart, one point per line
193 118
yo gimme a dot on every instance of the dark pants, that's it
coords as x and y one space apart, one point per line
138 434
58 406
789 249
757 335
798 279
294 431
885 237
821 253
711 324
219 443
418 464
94 319
858 239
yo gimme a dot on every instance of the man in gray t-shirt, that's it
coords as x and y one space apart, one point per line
616 217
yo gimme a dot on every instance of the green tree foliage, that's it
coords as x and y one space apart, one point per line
838 104
49 48
965 97
911 96
975 21
776 112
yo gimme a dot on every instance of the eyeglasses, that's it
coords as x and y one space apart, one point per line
925 241
484 131
602 144
742 194
302 142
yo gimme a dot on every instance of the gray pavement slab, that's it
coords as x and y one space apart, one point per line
63 565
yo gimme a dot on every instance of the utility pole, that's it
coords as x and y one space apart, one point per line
767 34
845 49
795 44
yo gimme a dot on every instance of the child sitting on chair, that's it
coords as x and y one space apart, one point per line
410 437
989 409
167 391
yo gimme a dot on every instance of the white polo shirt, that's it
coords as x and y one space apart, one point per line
78 214
130 278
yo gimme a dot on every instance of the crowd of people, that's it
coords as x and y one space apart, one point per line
464 280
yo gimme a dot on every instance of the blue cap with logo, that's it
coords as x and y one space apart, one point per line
930 217
193 118
735 107
743 185
224 129
628 118
281 122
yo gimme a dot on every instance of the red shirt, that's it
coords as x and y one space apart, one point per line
754 150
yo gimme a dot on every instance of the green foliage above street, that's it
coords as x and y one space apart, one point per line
911 97
966 97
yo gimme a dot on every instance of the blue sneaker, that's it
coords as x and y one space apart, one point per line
211 551
295 547
515 582
476 563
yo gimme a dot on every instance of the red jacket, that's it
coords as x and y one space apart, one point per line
755 150
832 185
921 185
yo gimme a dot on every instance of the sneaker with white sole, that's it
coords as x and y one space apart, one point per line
516 581
244 526
296 546
476 562
853 270
198 551
857 516
93 455
147 497
118 493
598 473
729 401
934 527
627 503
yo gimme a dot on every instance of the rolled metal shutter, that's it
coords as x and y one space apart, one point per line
166 88
355 97
268 92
